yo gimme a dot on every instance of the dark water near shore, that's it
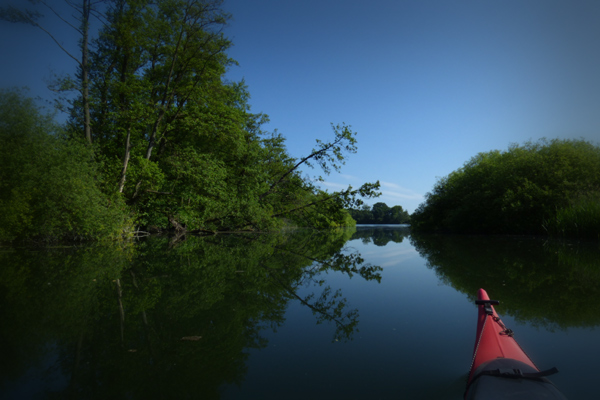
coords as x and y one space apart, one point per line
352 314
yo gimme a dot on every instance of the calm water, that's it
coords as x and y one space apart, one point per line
371 313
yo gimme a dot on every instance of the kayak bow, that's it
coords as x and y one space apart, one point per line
500 368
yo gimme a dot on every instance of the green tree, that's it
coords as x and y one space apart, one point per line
399 215
381 213
180 143
190 152
49 186
516 191
175 141
362 215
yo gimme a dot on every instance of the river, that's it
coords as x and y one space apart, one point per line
366 313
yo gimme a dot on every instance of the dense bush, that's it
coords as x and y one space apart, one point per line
48 185
521 190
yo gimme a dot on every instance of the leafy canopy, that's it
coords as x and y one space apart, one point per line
174 144
516 191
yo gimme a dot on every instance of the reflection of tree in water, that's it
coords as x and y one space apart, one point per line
330 306
538 280
159 322
381 235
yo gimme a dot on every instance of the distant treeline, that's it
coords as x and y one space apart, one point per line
380 213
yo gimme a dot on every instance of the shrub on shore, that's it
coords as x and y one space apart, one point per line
579 219
49 186
528 189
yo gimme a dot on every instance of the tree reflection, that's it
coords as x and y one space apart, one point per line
545 282
160 319
381 235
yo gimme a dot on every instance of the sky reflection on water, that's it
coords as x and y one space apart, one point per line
415 339
262 315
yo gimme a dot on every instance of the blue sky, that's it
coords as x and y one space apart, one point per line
425 84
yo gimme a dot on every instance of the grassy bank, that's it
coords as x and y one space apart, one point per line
580 219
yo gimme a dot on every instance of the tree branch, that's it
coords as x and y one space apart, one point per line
60 16
59 45
341 133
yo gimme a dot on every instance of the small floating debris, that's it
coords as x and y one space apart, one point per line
191 338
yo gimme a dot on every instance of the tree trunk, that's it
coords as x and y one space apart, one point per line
125 161
85 25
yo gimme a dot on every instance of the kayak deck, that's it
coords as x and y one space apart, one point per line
501 369
493 338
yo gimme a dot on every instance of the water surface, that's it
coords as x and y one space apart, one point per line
368 313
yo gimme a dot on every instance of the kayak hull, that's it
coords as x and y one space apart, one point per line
500 368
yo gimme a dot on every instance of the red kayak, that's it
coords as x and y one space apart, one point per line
500 368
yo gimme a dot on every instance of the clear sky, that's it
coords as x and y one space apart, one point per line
426 84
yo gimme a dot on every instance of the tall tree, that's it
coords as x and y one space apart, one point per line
179 141
84 9
187 142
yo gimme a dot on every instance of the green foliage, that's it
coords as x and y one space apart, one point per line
299 200
380 213
179 141
516 191
159 103
581 218
48 185
173 142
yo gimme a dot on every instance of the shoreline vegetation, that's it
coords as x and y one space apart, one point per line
380 213
157 138
550 187
54 188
